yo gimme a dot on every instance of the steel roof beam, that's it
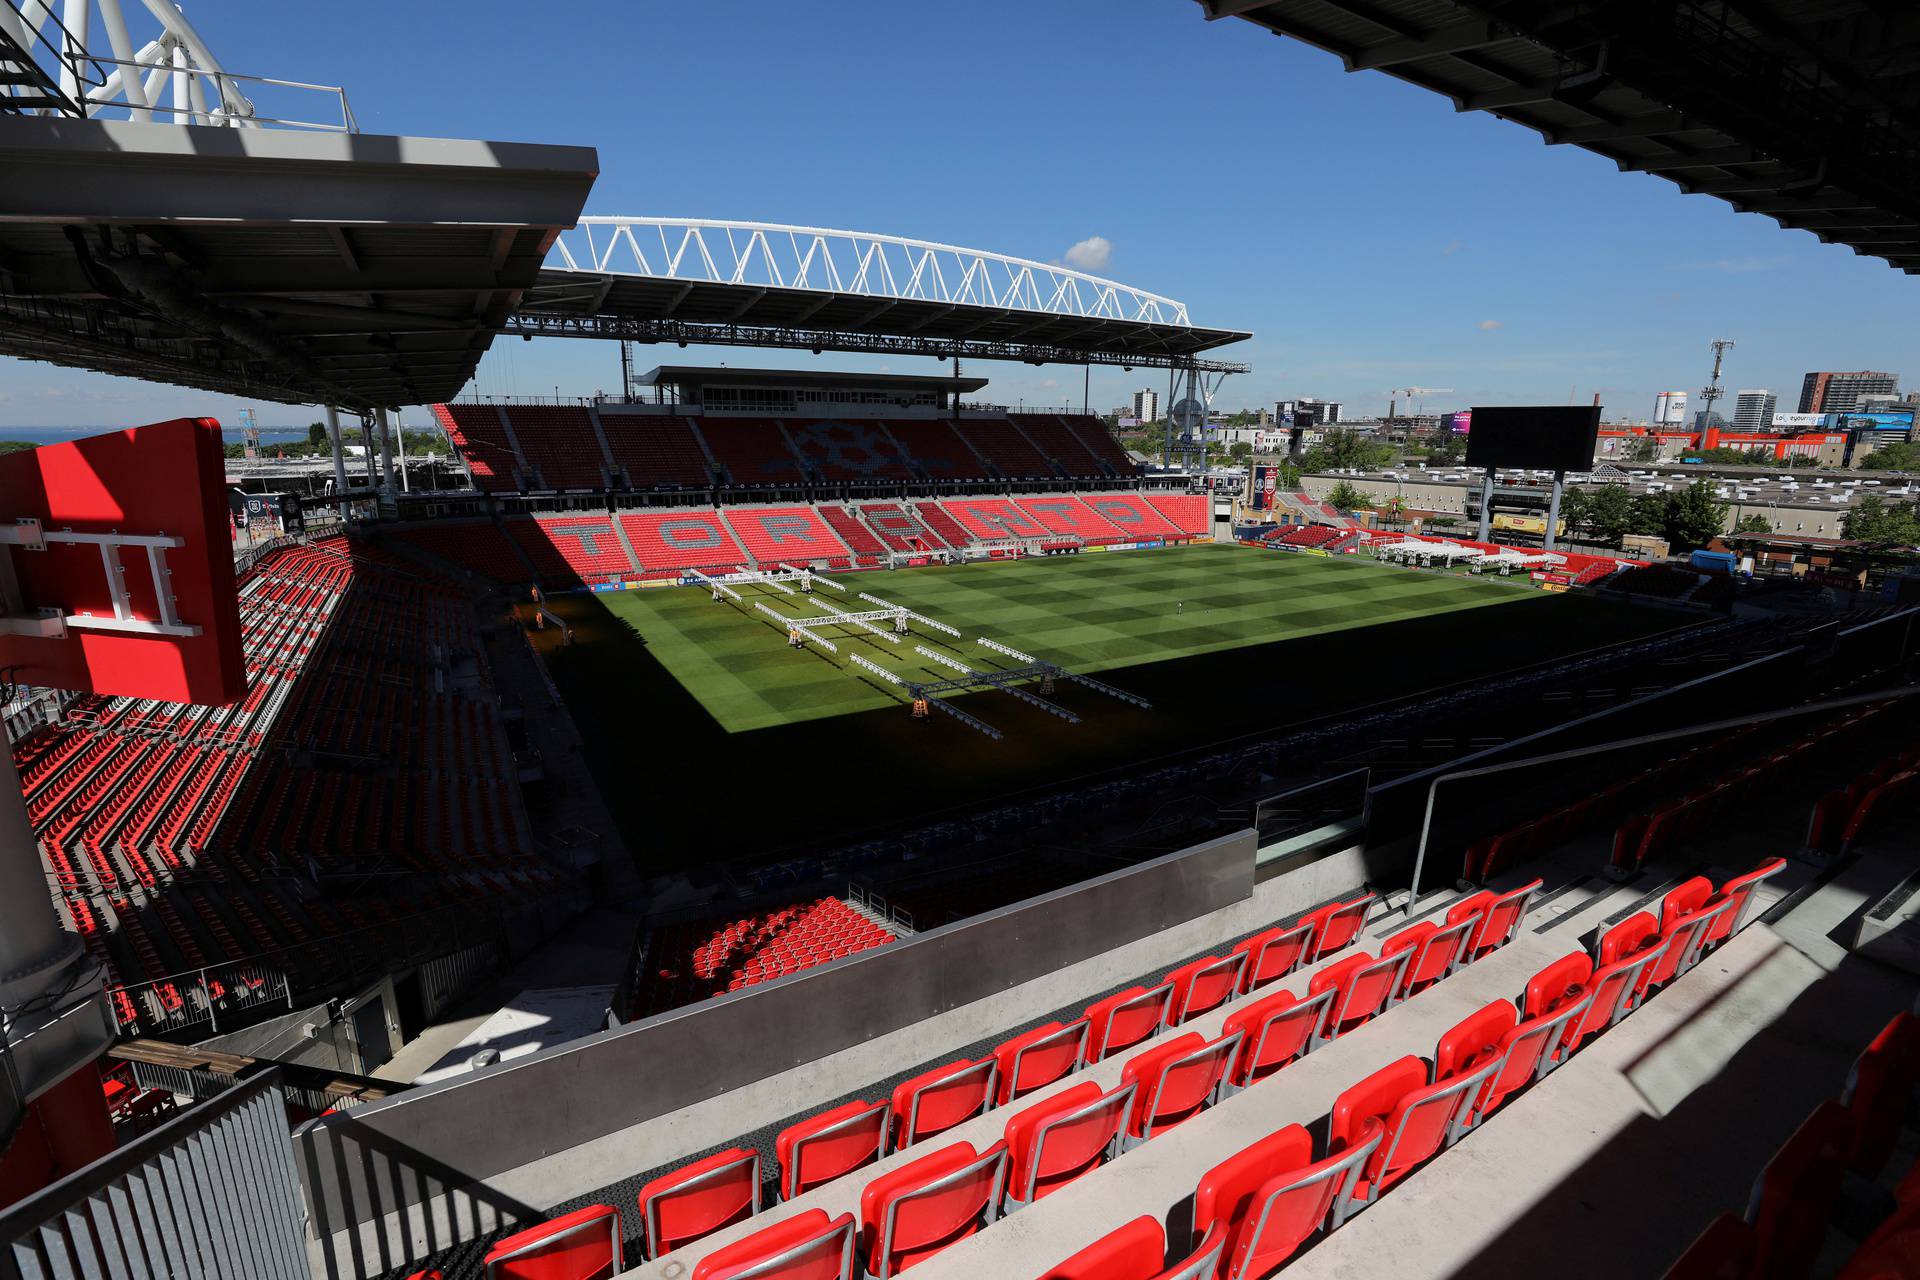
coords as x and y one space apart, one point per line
1462 37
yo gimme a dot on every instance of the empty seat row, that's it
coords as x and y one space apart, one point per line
1256 1209
1843 1144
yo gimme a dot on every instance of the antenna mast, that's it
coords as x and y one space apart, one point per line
1712 391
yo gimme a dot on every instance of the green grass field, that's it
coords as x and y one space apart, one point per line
682 698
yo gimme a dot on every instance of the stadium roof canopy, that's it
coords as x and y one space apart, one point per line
303 267
760 284
1807 111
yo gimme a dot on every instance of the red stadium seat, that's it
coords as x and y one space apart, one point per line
909 1214
1202 1264
1879 1092
1364 985
1274 953
1740 891
1689 895
1173 1081
807 1246
1273 1032
823 1147
1638 932
1616 992
1795 1194
935 1101
1202 985
1122 1021
1337 924
1724 1251
1070 1134
681 1207
1270 1198
1499 914
1437 952
1413 1119
1474 1041
1039 1057
1559 984
582 1245
1135 1251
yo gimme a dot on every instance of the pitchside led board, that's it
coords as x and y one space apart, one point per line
121 566
1534 437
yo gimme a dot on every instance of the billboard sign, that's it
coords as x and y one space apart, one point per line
1537 437
1461 423
1798 421
1879 420
1266 482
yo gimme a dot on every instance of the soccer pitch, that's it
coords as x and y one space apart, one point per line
666 683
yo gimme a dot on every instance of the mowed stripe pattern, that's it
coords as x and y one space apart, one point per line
1090 613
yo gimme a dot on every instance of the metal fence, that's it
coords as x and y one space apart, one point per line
210 1195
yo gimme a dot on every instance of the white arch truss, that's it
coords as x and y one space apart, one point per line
778 255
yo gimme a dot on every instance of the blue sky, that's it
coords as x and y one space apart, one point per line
1368 235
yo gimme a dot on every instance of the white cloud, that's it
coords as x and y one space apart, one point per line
1049 382
1453 247
1488 326
1090 254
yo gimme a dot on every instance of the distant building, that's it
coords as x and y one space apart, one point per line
1320 413
1146 405
1840 392
1670 409
1753 410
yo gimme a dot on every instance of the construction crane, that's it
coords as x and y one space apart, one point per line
1394 394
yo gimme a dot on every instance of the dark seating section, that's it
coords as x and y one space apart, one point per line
1062 445
1258 1206
682 963
1825 1184
183 840
656 452
475 545
1006 449
754 452
559 443
477 432
1662 582
856 450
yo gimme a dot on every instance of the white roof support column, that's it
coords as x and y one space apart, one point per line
339 460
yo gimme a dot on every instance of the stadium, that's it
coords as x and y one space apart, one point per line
812 821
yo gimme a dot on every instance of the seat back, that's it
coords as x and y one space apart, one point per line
1041 1056
1362 1108
1502 919
1134 1251
1124 1020
1365 985
823 1147
1879 1092
1202 985
1274 1031
582 1245
1425 1121
1228 1193
698 1200
1473 1041
911 1213
1559 984
1680 947
1176 1079
1638 932
1524 1054
807 1246
1054 1142
1740 891
937 1100
1274 953
1337 924
1472 908
1616 993
1795 1194
1291 1205
1687 896
1437 951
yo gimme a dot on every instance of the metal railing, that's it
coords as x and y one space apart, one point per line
213 1192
